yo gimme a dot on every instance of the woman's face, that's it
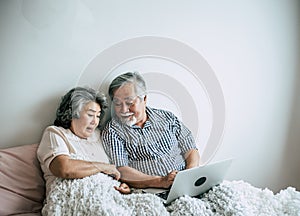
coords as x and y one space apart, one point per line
88 121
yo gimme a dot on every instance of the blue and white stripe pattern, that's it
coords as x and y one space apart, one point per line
155 149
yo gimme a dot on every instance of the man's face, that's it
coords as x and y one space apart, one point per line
129 108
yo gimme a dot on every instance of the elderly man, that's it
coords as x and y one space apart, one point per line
148 146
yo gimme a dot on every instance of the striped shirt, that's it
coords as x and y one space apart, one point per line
155 149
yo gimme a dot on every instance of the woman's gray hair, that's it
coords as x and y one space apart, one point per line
73 102
130 77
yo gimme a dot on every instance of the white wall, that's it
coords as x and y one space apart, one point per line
251 45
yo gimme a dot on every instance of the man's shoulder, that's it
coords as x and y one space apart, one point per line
160 113
112 125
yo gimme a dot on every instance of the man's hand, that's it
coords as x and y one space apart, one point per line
137 179
168 180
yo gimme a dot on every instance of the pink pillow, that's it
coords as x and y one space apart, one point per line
22 187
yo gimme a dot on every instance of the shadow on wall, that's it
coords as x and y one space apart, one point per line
290 172
42 115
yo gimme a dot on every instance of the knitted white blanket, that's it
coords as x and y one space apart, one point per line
95 195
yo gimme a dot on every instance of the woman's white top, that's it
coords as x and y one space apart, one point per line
59 141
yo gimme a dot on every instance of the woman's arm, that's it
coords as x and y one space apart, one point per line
137 179
64 167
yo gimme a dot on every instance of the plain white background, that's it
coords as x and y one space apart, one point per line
253 47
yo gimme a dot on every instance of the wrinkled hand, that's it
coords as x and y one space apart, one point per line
167 180
123 188
113 172
110 170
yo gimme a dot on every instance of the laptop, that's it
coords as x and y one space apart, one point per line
193 182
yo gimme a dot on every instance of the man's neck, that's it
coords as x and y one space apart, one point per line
143 121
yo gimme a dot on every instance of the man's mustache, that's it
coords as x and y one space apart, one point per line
126 114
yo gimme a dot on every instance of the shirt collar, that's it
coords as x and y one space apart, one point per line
152 119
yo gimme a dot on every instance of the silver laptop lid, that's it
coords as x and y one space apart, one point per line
198 180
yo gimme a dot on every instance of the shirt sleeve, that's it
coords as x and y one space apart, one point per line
184 135
52 144
114 146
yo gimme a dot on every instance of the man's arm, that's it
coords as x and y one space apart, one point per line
137 179
192 158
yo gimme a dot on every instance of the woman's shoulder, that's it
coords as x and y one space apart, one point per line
54 128
57 130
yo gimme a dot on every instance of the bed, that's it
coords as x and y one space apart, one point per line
22 192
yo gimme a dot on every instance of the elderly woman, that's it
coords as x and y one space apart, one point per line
76 132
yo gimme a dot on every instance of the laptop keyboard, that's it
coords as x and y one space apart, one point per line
163 195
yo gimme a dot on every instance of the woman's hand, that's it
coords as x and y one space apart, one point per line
108 169
123 188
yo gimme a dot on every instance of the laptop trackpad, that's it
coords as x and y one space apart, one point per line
160 192
154 190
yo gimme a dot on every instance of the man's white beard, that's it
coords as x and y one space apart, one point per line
129 121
